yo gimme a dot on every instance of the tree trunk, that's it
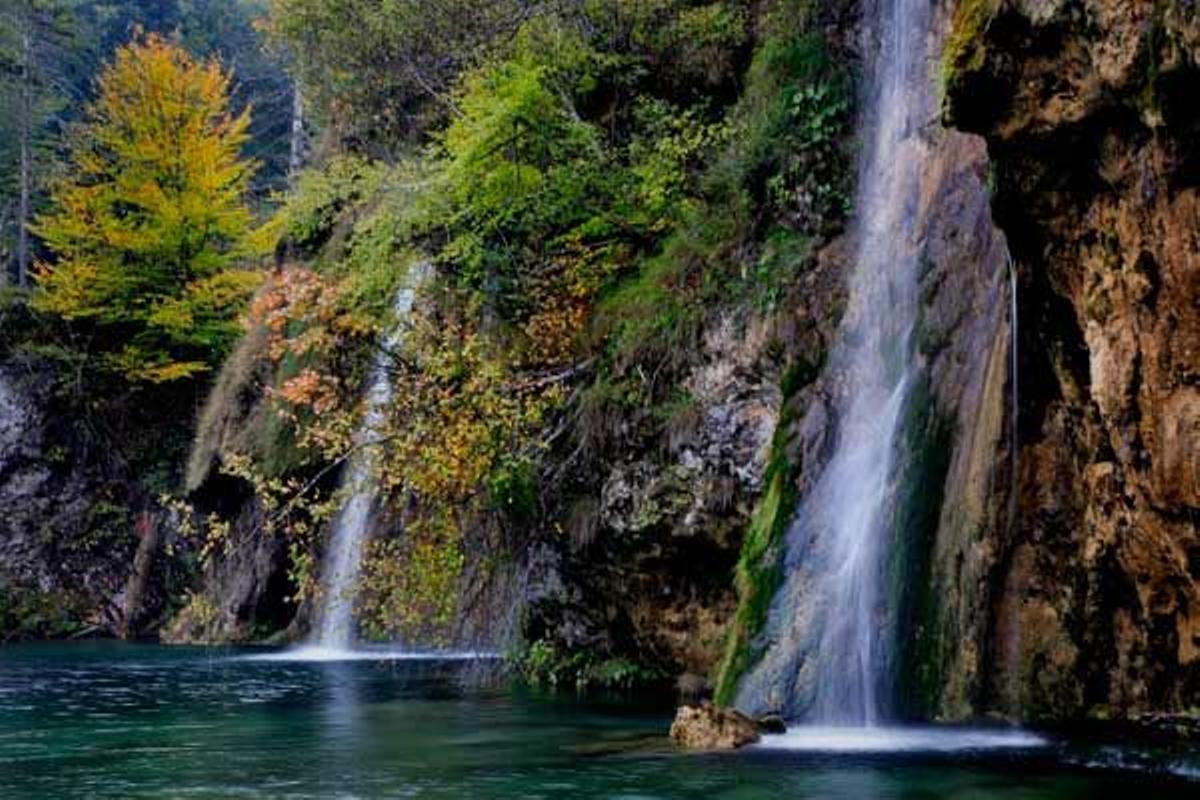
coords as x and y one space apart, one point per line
143 560
4 265
299 143
25 178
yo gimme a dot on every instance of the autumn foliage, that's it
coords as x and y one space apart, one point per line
148 227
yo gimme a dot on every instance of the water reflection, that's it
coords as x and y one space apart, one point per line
342 714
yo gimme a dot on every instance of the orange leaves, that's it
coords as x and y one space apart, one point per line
301 310
312 389
308 333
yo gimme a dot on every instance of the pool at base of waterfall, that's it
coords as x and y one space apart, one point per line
107 720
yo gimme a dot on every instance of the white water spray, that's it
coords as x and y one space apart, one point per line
343 560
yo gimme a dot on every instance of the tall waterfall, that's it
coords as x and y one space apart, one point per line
343 560
850 506
829 654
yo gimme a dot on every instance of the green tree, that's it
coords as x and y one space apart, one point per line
148 228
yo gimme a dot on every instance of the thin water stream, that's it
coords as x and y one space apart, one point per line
351 527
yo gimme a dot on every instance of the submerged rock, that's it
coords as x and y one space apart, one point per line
772 723
712 727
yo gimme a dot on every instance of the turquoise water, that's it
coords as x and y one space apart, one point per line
131 721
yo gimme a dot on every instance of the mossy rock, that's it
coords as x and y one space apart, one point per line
965 52
34 614
542 664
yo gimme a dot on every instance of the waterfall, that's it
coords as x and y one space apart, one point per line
1014 387
849 508
343 560
828 651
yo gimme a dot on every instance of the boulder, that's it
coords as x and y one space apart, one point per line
711 727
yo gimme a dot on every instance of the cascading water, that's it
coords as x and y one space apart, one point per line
1014 350
849 508
351 527
828 652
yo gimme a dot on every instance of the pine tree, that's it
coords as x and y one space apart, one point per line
149 226
37 49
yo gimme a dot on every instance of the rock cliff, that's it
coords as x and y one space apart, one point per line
71 520
1092 127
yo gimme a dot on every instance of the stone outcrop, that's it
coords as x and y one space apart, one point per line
1089 110
711 727
244 589
68 531
654 540
42 496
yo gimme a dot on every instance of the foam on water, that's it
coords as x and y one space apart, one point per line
834 739
316 654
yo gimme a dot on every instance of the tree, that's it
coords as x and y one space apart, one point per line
381 70
147 228
229 30
36 48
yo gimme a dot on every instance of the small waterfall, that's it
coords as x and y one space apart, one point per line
343 560
828 651
1015 386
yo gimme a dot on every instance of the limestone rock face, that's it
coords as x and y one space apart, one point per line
40 495
67 534
656 522
242 591
1089 110
711 727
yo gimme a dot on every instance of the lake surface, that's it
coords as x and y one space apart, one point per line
131 721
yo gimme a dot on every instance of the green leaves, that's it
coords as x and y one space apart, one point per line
520 167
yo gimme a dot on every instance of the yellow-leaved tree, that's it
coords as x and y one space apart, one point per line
149 225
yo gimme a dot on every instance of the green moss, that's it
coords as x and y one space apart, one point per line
34 614
542 664
760 565
514 490
792 156
965 51
800 373
654 318
917 641
759 574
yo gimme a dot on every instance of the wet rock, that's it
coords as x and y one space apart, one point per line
66 526
654 526
711 727
691 686
773 724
